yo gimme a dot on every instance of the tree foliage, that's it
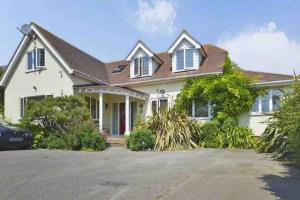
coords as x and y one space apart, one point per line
231 92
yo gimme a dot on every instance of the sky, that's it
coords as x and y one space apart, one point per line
261 35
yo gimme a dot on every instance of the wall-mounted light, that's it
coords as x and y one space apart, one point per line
35 88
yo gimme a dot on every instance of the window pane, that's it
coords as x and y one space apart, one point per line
41 57
255 107
163 105
201 108
29 60
145 67
276 96
265 103
34 59
189 58
179 60
154 107
136 67
93 108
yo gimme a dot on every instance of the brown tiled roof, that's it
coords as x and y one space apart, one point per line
76 58
87 64
211 64
267 77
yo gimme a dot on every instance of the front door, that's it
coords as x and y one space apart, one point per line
122 118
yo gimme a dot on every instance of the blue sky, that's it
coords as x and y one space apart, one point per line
260 35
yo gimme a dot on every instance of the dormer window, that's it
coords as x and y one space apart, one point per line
185 59
186 53
141 66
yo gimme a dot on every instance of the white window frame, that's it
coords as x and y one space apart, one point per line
35 65
185 68
210 114
141 67
158 103
260 112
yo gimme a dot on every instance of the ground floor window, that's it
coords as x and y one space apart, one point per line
268 102
93 105
24 101
201 109
158 105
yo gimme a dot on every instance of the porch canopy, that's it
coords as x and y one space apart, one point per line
104 89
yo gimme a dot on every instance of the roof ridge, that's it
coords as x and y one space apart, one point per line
40 27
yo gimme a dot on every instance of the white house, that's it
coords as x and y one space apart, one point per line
117 92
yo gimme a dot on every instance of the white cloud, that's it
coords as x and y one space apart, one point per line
264 49
158 16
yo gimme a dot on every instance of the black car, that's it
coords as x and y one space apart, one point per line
14 138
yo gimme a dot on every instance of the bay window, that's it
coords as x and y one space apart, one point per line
268 102
141 66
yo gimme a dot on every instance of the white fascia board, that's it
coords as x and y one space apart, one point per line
55 53
139 45
273 83
14 60
179 40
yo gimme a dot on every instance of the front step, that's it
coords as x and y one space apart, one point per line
115 141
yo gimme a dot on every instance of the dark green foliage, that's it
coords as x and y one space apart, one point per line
226 135
54 142
173 130
141 139
282 136
211 136
92 140
231 92
65 119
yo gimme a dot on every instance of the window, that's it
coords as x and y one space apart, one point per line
25 100
35 59
40 57
267 103
141 66
159 105
185 59
93 105
201 109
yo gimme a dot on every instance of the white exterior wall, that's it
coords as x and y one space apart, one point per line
54 80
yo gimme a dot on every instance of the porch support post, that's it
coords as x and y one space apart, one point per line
100 111
127 128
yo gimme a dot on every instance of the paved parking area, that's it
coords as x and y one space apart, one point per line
117 173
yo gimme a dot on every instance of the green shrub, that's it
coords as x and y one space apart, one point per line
141 139
173 130
282 135
227 135
211 136
38 140
55 142
91 139
73 141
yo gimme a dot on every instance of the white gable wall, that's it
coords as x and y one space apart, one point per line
54 80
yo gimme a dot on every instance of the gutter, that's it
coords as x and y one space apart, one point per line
167 79
266 83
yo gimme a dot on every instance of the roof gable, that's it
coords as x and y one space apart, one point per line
184 35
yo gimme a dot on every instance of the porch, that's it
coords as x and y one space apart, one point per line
114 109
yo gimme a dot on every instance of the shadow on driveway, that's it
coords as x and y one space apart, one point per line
285 186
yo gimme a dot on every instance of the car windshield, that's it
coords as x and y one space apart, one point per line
3 123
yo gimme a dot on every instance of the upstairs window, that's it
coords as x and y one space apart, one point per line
141 66
35 59
268 102
185 59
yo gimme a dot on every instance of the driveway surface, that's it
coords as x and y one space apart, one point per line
117 173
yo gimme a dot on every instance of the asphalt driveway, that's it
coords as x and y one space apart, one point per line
120 174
